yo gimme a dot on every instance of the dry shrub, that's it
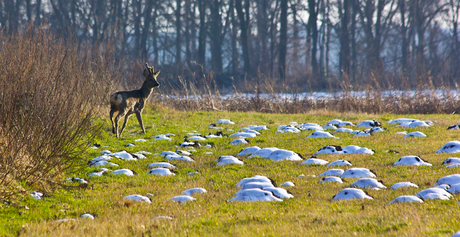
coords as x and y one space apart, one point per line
50 93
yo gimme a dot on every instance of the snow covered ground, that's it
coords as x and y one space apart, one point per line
440 94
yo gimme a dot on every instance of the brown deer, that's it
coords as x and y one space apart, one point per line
130 102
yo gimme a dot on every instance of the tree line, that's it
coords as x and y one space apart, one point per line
312 44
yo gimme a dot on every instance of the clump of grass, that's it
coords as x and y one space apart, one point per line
51 91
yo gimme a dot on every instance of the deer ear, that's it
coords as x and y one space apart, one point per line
156 73
146 73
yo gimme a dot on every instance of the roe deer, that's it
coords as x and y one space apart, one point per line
130 102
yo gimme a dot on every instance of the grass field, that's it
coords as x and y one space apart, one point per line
311 212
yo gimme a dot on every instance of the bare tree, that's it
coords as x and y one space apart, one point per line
312 38
234 41
215 34
376 26
262 38
405 50
178 32
188 19
424 12
344 55
244 27
203 33
146 29
283 41
454 9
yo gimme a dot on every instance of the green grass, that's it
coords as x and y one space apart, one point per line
311 212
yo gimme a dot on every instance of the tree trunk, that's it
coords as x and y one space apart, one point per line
216 39
344 59
188 24
193 32
28 11
178 32
273 32
202 34
146 29
11 15
283 41
354 54
404 39
244 37
38 6
313 35
155 36
262 35
295 35
234 36
455 59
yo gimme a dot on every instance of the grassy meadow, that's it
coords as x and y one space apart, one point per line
311 212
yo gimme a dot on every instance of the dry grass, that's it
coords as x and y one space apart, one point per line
51 91
420 102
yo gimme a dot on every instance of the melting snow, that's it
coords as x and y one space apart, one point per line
227 160
138 198
314 161
403 185
224 121
331 179
192 191
434 193
255 195
450 147
160 171
351 193
369 124
182 198
321 134
332 172
248 151
406 199
178 157
451 160
239 141
162 165
415 134
287 184
367 183
126 172
411 161
339 163
358 173
449 179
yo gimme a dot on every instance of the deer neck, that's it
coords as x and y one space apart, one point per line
145 91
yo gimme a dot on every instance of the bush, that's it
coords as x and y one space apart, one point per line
50 93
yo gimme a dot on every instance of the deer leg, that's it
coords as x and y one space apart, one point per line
112 111
124 123
117 118
139 119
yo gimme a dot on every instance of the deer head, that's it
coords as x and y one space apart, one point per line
151 76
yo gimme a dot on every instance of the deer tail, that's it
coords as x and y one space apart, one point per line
116 99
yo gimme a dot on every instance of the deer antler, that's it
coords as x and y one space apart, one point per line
149 68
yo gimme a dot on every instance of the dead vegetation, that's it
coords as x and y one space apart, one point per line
266 97
51 91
